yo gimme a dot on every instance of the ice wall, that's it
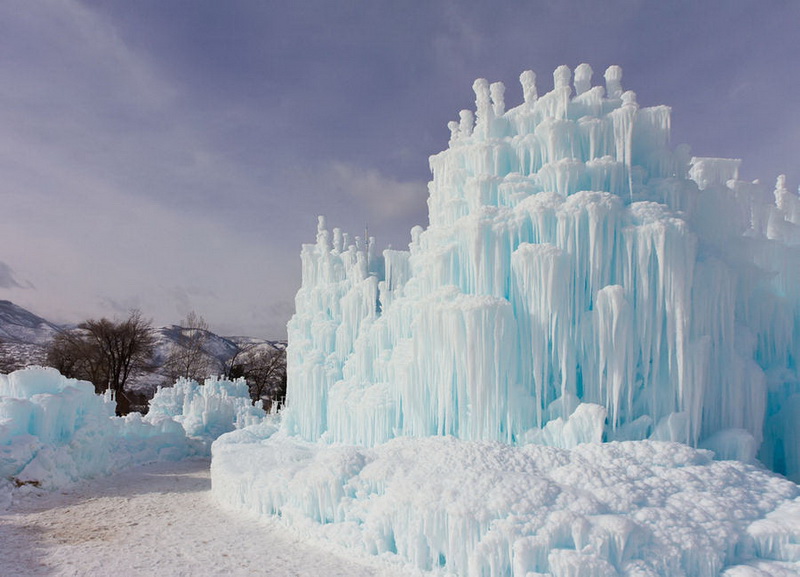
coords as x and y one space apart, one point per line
574 260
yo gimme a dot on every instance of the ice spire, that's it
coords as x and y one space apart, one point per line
583 78
528 81
613 78
484 114
466 123
497 91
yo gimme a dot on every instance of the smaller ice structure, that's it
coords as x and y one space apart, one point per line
206 411
488 509
55 431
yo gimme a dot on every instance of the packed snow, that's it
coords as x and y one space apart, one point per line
488 508
577 369
158 519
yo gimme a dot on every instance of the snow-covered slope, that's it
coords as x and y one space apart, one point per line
21 326
23 335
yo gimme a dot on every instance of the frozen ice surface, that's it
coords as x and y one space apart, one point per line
480 508
55 431
573 257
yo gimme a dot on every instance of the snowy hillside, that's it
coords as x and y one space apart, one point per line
22 326
24 335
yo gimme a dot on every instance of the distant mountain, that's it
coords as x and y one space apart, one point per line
18 325
25 337
220 348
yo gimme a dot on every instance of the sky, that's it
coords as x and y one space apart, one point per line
173 155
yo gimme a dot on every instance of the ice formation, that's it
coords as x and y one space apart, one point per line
534 386
206 411
574 260
55 431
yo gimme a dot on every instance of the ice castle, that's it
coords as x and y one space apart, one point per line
581 279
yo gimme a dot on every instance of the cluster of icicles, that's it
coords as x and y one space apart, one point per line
580 280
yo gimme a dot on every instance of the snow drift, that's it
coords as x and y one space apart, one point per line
581 281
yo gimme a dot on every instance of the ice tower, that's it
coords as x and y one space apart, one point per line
580 280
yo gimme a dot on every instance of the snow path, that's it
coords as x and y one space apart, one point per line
158 519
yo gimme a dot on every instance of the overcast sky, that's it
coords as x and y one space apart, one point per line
173 155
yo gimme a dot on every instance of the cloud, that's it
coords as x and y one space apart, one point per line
383 198
67 54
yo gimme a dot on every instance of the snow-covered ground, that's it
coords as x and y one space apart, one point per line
157 519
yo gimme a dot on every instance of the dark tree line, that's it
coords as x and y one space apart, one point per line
7 361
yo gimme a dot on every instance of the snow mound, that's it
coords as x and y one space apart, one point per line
476 508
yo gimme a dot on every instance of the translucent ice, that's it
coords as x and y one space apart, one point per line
581 281
571 253
208 410
55 430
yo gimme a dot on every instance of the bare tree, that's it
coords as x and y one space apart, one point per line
187 357
74 356
107 353
264 369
